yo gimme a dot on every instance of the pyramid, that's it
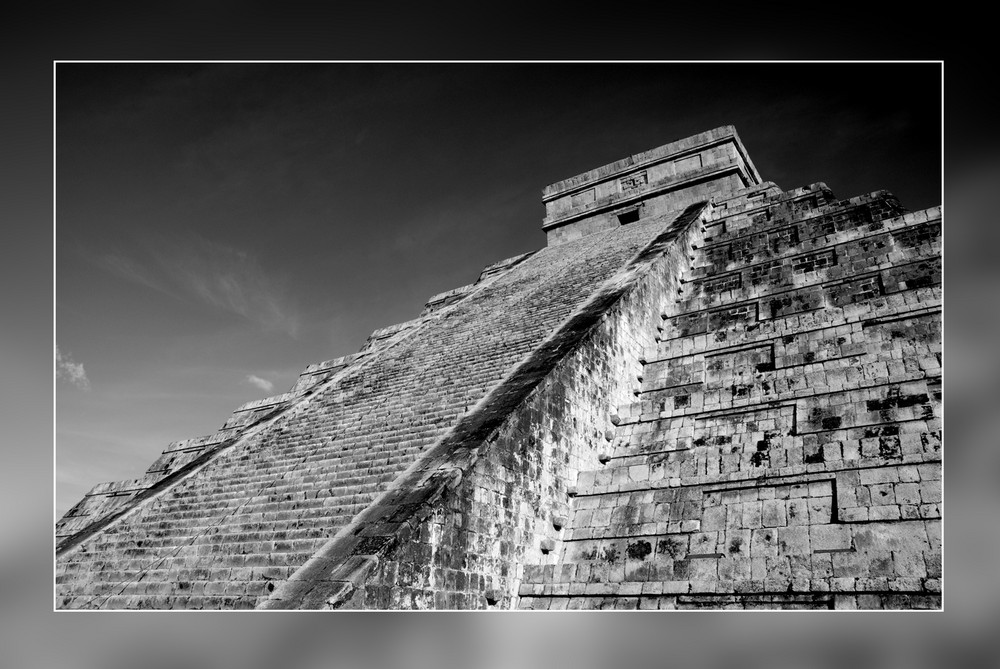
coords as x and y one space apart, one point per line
704 392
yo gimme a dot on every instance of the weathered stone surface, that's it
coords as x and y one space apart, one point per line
704 393
785 413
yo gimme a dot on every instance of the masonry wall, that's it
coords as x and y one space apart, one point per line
709 165
654 206
785 448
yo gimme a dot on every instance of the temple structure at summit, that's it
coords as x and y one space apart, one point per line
704 392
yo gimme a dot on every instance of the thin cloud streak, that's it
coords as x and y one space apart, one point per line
71 371
232 280
132 271
263 384
198 270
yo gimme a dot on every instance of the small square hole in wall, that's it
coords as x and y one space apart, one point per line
630 216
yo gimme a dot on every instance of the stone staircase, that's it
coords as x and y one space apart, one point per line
252 504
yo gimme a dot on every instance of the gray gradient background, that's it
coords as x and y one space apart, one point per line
32 635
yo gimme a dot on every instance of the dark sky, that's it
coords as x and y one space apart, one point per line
221 226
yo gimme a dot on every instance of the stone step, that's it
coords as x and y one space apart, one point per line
204 567
237 529
822 273
164 602
153 535
286 492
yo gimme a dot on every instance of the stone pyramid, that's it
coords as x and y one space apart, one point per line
704 392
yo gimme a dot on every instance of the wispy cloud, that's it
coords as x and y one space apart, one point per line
217 275
71 371
263 384
127 268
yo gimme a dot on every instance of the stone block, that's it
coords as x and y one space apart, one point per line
773 513
690 525
830 537
793 540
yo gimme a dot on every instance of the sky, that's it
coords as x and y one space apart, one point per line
219 226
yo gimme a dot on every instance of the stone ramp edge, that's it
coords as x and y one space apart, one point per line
334 576
359 361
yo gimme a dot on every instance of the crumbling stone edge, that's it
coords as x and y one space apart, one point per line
335 576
